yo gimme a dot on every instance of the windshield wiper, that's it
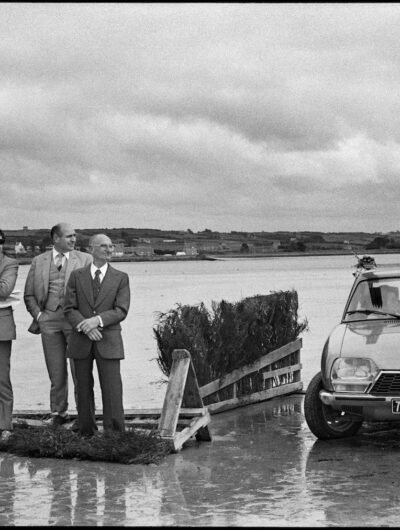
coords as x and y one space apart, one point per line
372 311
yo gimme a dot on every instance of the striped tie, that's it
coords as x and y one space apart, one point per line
96 284
59 258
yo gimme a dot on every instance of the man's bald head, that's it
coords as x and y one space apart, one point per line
63 236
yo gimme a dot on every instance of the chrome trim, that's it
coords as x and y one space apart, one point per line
332 398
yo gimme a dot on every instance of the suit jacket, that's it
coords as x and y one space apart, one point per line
37 281
8 277
112 305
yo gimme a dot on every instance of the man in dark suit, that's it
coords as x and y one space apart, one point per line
97 300
44 298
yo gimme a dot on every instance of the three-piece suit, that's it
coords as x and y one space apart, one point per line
45 293
8 277
112 305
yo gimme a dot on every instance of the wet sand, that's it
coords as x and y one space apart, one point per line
262 468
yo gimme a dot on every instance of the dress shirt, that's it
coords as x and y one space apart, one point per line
55 253
103 271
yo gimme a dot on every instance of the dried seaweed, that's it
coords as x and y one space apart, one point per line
229 336
130 447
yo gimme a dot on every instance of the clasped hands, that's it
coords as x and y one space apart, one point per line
89 326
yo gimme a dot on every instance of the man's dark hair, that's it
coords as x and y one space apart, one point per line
2 237
56 230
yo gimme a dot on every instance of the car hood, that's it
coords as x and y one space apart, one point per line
376 340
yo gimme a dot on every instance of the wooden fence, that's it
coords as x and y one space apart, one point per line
275 374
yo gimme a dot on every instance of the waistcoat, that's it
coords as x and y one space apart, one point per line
56 287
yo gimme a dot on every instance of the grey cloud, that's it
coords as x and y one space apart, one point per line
248 116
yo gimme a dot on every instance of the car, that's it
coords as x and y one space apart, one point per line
360 364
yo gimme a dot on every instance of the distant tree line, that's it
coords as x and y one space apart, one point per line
383 242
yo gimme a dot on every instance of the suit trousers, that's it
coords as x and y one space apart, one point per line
55 331
111 393
6 392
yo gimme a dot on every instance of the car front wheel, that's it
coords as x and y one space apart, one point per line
324 421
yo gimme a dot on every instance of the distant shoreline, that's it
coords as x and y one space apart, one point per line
230 256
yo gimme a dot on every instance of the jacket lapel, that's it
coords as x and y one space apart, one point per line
70 267
46 272
86 282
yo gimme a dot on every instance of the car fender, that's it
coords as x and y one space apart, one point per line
331 351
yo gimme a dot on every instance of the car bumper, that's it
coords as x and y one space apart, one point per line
374 408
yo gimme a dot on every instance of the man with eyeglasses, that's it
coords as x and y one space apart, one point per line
97 300
44 298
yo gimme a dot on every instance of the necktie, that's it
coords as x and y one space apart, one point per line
96 283
59 258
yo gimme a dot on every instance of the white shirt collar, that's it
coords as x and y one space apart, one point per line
55 253
102 269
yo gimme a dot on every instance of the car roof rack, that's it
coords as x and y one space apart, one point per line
365 263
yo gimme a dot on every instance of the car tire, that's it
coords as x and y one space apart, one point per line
325 422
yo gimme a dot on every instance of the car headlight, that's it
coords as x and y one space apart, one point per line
352 374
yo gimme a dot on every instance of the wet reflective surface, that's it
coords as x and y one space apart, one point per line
262 468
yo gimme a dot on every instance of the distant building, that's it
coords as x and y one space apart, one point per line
19 249
118 250
143 250
190 249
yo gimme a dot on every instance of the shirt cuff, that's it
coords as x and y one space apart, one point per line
101 321
38 315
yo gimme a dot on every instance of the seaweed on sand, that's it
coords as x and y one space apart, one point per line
229 336
130 447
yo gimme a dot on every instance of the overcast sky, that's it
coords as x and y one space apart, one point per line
221 116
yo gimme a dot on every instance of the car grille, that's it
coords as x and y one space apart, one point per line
388 383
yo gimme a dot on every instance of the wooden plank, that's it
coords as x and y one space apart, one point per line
153 422
174 394
142 412
282 371
181 437
99 413
184 411
30 421
237 374
192 398
142 421
269 393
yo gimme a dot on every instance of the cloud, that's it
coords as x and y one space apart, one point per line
226 116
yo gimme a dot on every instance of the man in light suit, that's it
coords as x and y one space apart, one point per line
44 298
8 277
97 300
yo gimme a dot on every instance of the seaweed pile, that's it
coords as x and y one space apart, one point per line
130 447
229 336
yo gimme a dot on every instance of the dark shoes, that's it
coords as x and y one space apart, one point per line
56 420
74 427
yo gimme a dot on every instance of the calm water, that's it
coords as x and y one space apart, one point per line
322 284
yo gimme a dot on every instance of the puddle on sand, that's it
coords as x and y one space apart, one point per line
263 468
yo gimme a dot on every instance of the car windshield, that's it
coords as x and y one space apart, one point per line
375 299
